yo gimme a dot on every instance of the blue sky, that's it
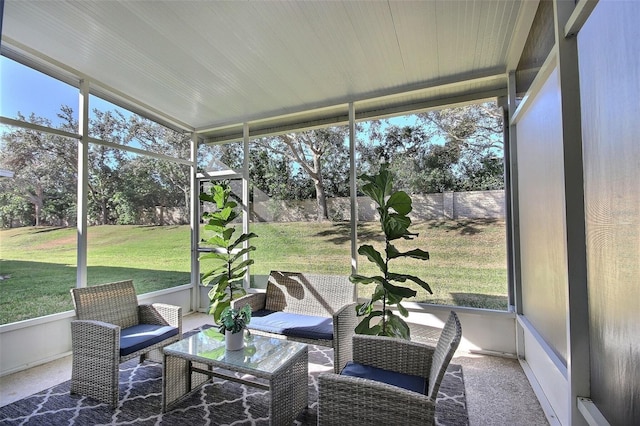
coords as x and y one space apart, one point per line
26 90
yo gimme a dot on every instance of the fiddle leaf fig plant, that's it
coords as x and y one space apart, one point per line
393 208
227 276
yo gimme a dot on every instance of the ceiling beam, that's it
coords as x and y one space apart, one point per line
337 114
341 118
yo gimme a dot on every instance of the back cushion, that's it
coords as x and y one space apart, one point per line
319 295
114 303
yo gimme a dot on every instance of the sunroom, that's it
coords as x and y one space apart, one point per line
564 74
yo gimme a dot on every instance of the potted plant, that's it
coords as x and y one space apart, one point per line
232 324
393 208
227 276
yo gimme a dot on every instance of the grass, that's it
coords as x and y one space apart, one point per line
38 265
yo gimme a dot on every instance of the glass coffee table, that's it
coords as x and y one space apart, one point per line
277 365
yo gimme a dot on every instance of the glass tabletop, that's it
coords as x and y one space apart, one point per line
264 354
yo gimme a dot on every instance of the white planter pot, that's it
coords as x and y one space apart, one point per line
234 341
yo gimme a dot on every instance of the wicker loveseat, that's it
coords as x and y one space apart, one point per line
112 328
390 381
308 308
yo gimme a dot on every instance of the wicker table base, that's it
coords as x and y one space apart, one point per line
279 366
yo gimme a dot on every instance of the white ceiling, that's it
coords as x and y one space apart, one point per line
210 66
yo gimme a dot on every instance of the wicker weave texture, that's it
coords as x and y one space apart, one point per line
301 293
309 294
113 303
357 401
96 342
446 347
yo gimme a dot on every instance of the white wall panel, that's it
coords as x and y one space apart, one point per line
609 44
541 194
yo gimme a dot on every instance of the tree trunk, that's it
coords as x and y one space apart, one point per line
104 211
38 209
38 203
321 198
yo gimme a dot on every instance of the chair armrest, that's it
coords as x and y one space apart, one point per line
353 400
393 354
95 338
257 301
161 314
344 324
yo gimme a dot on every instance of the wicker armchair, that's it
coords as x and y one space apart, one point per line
345 399
112 328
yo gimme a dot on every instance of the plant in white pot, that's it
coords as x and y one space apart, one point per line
232 323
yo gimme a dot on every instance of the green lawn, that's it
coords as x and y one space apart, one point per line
38 265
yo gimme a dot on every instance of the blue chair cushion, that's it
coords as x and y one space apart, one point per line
406 381
292 325
140 336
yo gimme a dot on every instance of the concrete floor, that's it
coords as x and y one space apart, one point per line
498 392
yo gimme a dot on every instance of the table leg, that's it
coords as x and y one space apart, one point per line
176 380
290 391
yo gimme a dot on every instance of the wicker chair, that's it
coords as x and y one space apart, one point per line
344 399
112 328
328 296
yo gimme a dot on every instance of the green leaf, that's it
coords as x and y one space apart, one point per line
217 307
364 308
374 192
395 226
214 256
374 256
213 276
405 277
364 326
379 293
227 234
242 265
397 290
403 311
400 202
393 253
241 253
393 299
215 225
396 327
231 205
242 238
220 194
217 241
361 279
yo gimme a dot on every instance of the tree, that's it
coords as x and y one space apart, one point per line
473 133
310 150
44 168
447 150
171 179
105 164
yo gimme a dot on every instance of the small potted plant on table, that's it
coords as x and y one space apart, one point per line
232 324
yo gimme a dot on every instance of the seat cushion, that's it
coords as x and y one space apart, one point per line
137 337
292 325
406 381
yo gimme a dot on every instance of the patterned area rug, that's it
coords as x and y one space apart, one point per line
219 402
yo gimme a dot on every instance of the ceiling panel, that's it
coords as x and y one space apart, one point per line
205 64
